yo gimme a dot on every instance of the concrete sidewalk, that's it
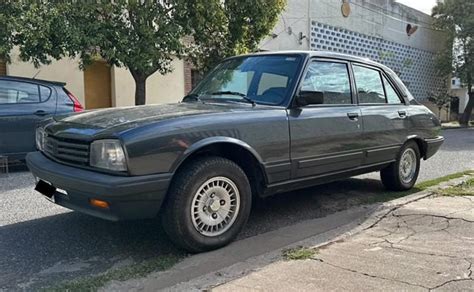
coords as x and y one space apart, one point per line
424 244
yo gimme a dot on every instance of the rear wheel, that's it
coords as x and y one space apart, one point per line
208 204
402 174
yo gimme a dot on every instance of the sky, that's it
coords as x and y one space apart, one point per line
422 5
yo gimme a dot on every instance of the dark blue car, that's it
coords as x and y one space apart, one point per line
23 103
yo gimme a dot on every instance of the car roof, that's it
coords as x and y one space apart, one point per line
322 54
33 80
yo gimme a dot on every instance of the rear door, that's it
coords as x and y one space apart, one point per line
384 114
326 138
22 106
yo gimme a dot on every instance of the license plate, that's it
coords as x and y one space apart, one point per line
46 189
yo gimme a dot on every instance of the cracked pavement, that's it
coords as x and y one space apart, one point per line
426 244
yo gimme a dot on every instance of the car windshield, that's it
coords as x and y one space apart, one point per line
254 79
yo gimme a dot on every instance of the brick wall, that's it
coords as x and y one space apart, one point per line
3 68
188 84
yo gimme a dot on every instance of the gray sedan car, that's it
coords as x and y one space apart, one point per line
255 126
23 103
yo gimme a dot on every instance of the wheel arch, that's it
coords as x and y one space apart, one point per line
422 146
233 149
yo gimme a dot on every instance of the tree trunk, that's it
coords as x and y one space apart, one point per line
466 116
140 89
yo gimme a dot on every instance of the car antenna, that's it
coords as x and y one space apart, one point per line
36 74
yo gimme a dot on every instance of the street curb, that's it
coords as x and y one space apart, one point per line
372 215
455 127
363 224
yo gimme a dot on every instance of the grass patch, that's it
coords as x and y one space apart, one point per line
464 189
93 283
298 253
391 195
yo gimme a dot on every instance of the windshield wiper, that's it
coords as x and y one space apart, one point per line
192 96
244 97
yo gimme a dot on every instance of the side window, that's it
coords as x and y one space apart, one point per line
392 96
18 92
272 81
331 79
369 85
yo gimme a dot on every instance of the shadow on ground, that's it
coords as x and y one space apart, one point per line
40 252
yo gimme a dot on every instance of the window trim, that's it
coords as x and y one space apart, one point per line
39 92
327 60
390 82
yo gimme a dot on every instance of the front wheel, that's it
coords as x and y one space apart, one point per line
208 204
402 174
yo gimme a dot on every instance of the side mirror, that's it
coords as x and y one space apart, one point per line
310 97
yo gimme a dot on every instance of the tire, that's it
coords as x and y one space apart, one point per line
400 176
199 198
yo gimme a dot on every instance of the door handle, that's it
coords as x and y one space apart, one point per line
41 113
402 114
353 116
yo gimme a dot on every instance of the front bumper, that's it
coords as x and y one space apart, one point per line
432 146
129 197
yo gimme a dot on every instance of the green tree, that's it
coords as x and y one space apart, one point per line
223 28
143 36
9 11
456 17
41 32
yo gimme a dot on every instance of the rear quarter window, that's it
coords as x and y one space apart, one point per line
45 93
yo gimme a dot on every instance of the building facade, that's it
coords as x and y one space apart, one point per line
382 30
101 85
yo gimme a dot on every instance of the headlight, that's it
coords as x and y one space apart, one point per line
108 154
39 136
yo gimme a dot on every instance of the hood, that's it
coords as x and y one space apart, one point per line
136 115
120 119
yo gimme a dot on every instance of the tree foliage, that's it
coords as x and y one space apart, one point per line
143 36
223 28
9 11
456 17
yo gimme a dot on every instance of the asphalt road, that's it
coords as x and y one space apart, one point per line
42 244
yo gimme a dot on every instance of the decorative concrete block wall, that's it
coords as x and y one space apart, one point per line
414 66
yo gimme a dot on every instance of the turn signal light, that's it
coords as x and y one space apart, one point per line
99 203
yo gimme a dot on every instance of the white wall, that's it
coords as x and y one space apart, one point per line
463 97
391 26
66 70
159 88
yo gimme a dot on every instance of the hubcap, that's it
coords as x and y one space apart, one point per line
215 206
407 168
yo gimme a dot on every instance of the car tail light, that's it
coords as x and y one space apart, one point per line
77 105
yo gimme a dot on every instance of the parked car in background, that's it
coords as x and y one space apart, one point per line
23 103
255 126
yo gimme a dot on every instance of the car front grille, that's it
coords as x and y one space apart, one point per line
67 150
